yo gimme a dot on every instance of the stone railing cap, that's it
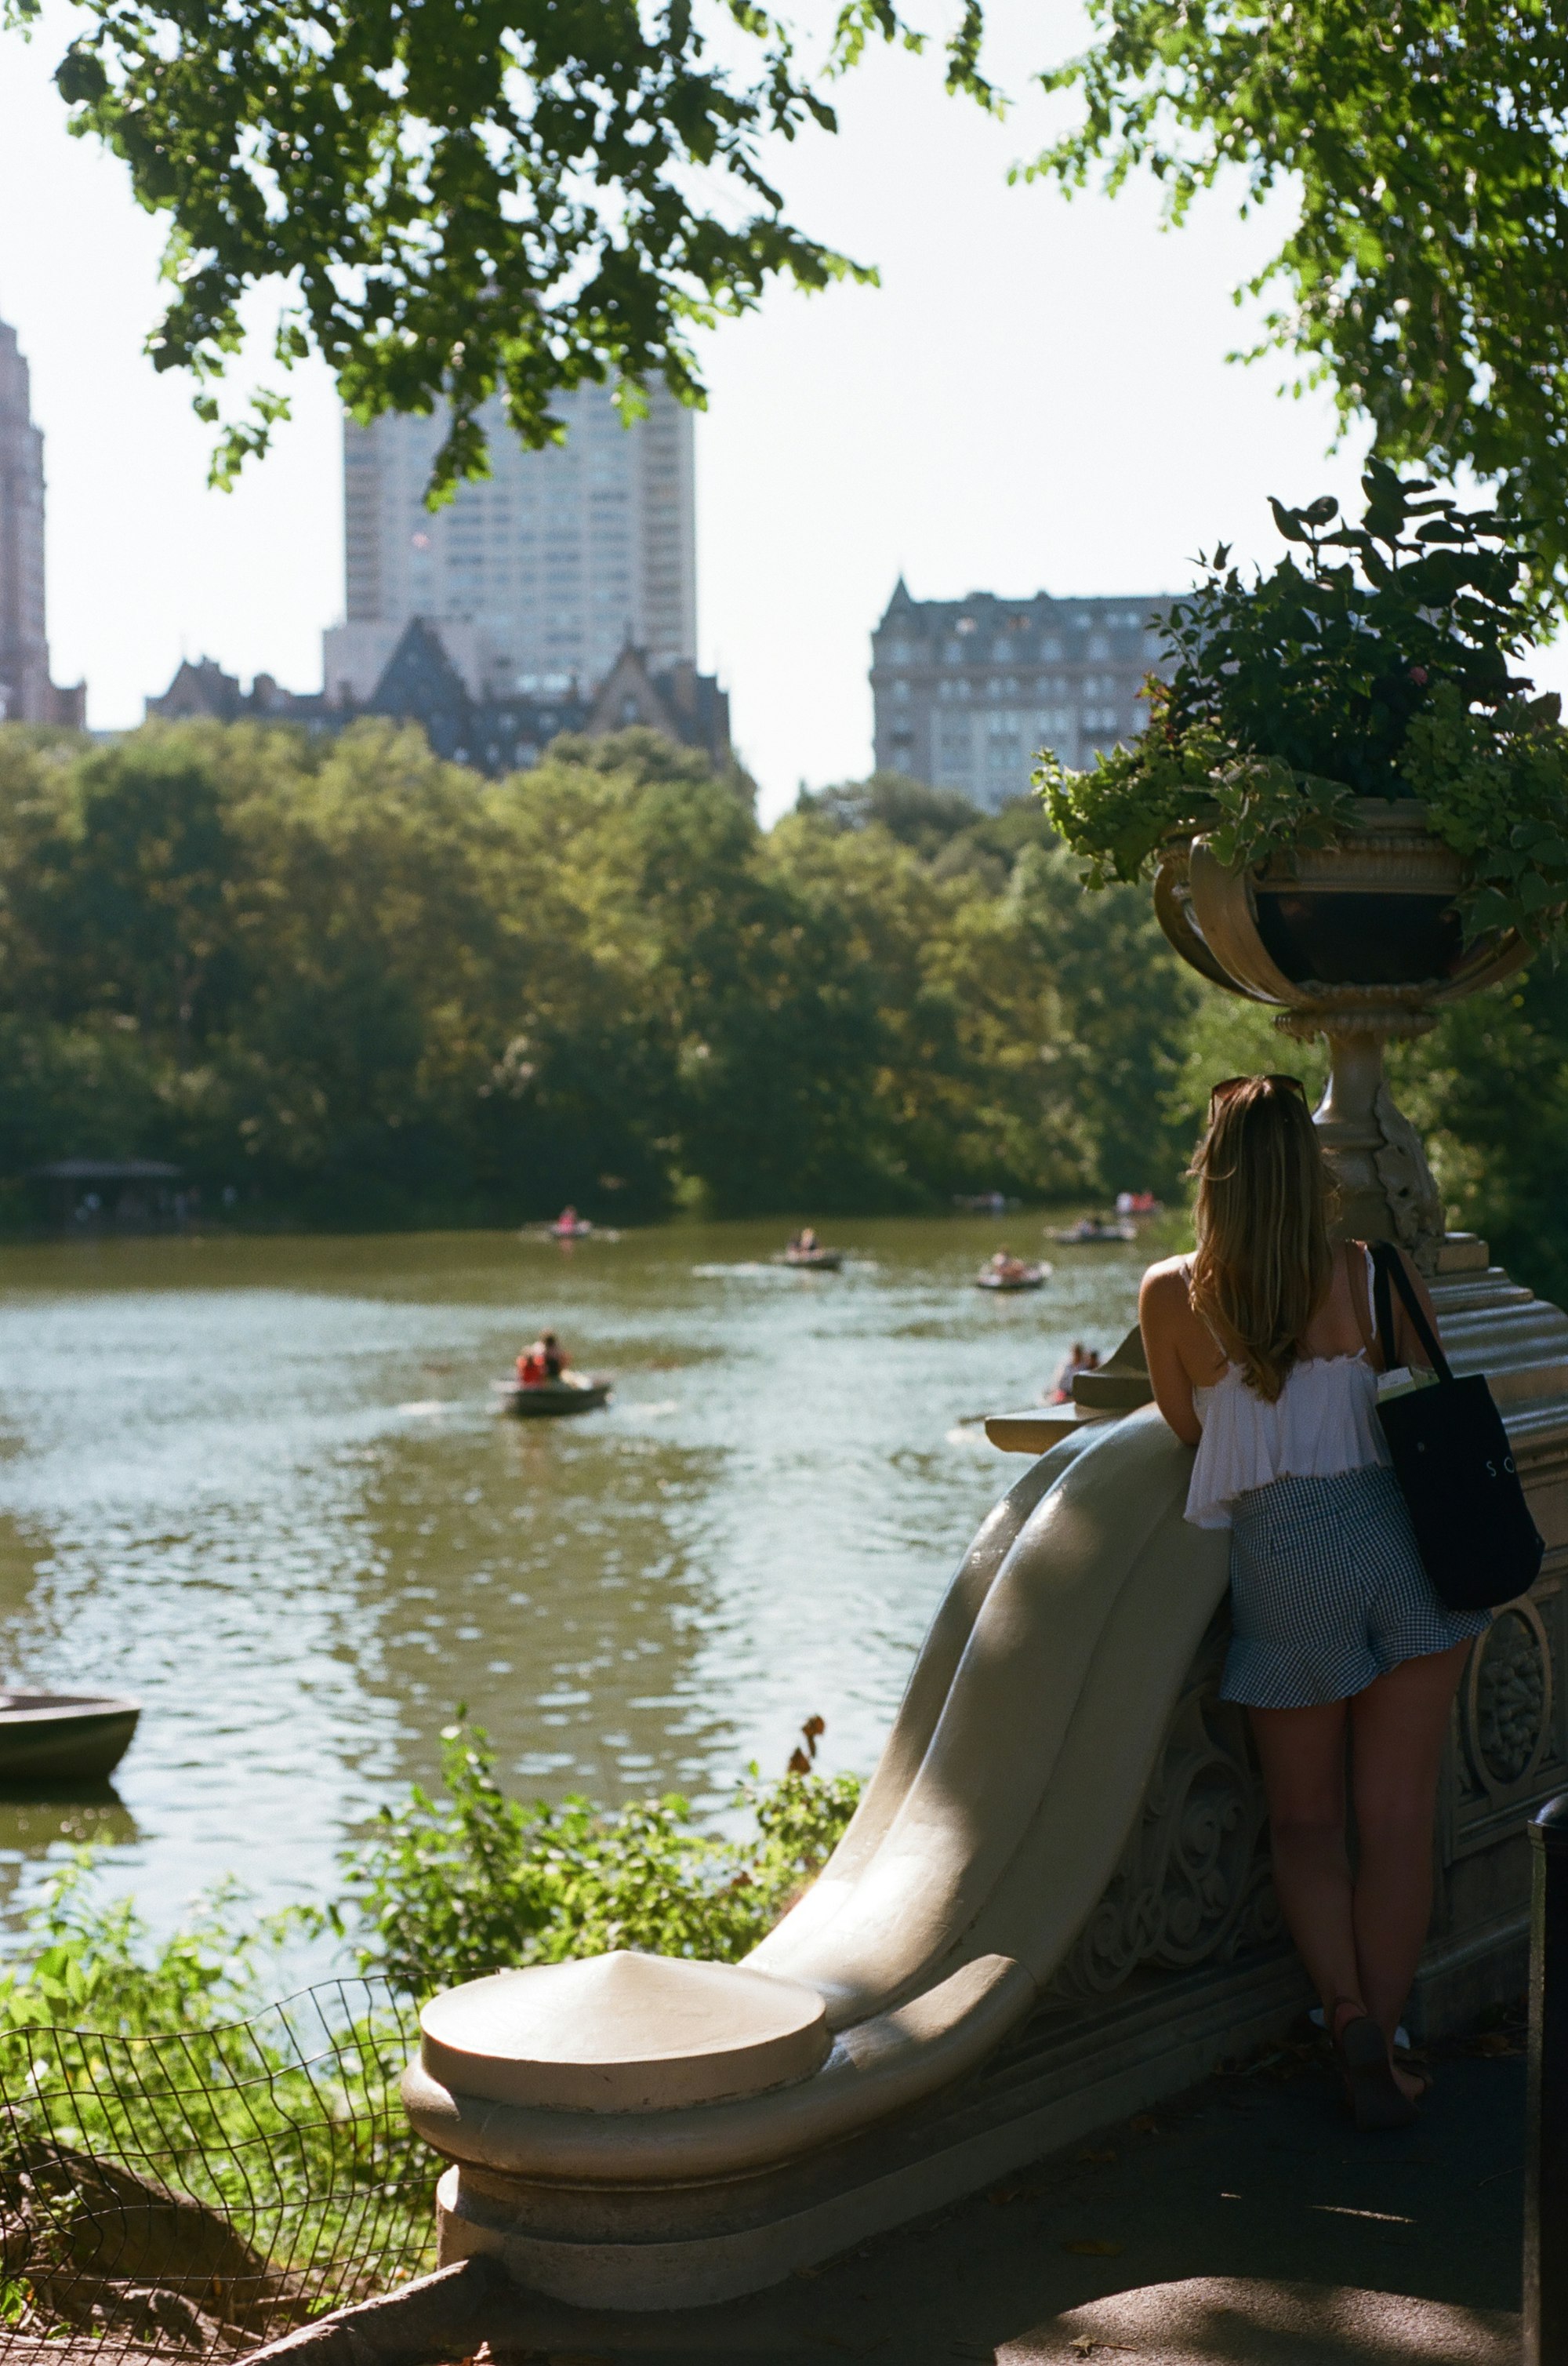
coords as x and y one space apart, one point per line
623 2033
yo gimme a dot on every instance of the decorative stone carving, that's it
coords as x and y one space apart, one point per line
1413 1198
1507 1700
1193 1883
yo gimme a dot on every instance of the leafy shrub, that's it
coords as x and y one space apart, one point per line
1378 669
95 1968
451 1888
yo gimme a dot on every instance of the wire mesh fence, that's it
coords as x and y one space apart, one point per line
202 2192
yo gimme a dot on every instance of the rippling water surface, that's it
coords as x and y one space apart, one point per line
260 1484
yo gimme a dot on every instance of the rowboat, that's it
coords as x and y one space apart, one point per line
1033 1277
63 1737
570 1393
812 1260
1095 1228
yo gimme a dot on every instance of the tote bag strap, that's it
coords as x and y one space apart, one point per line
1383 1304
1388 1264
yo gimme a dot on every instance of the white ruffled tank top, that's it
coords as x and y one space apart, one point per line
1323 1421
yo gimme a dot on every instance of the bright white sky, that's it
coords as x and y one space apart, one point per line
1037 397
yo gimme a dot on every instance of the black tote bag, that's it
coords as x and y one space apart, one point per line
1452 1459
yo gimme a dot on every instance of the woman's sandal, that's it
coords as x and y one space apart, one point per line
1377 2099
1422 2076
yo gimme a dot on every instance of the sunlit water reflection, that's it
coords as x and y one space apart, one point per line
260 1484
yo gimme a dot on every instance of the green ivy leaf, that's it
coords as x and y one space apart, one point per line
1489 909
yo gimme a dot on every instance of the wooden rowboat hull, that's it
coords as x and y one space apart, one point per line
63 1737
1026 1281
812 1260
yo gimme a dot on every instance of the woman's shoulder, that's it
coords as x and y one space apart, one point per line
1165 1285
1170 1269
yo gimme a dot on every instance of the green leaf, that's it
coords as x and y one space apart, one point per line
1489 909
1288 522
80 77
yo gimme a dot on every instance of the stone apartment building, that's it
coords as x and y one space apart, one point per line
963 691
26 693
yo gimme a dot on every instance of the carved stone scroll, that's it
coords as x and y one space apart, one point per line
1193 1883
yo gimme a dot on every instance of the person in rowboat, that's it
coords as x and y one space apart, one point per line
542 1363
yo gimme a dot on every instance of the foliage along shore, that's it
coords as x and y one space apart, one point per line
444 1887
347 983
354 986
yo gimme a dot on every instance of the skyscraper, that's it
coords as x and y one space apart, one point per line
965 692
27 694
535 577
24 644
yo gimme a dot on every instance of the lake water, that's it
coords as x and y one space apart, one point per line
260 1484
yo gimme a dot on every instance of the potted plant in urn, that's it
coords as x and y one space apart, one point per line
1352 808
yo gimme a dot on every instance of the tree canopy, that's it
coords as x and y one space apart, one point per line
1426 280
456 196
348 983
339 981
460 196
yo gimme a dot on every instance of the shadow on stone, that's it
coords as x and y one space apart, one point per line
1207 2318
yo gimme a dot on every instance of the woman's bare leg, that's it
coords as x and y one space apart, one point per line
1302 1752
1398 1728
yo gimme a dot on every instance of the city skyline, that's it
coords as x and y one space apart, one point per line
1036 394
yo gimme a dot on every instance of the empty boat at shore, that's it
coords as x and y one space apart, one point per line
63 1737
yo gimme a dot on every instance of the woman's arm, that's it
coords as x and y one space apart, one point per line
1161 1308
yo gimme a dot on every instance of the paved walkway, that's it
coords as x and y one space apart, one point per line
1248 2222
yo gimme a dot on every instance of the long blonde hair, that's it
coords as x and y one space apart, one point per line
1263 1265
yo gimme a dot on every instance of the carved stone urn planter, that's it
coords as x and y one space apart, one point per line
1358 942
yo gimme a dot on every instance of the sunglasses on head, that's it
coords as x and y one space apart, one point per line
1223 1091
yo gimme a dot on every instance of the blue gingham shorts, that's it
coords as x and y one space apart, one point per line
1327 1591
